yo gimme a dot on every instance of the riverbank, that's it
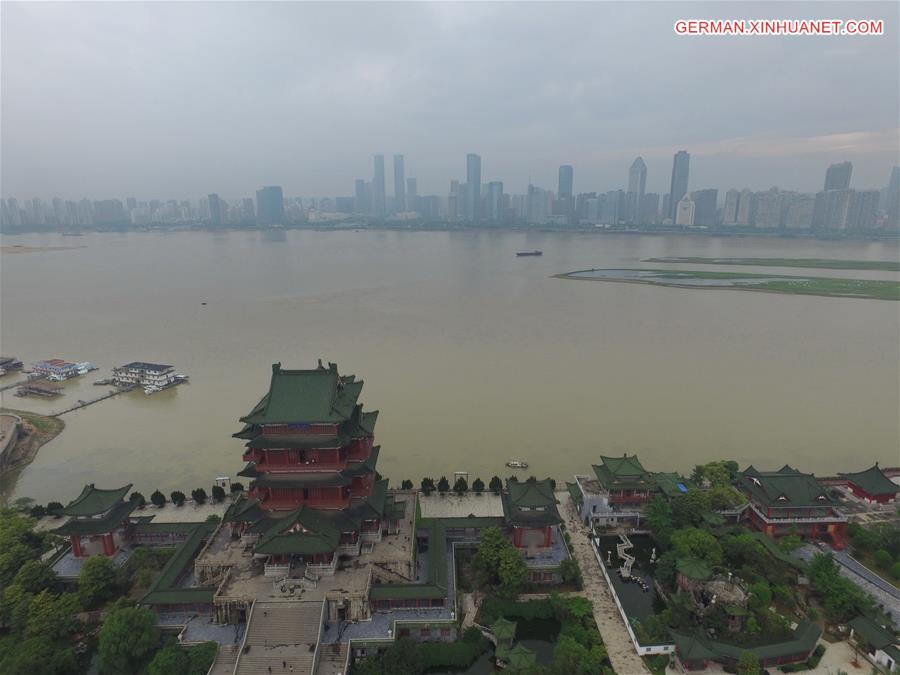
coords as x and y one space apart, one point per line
36 431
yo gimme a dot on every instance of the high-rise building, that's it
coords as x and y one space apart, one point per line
648 213
637 182
730 210
360 197
566 181
494 201
473 191
412 195
862 209
453 205
705 206
892 198
831 209
769 209
681 166
837 177
215 209
684 215
746 213
800 212
378 195
270 205
399 184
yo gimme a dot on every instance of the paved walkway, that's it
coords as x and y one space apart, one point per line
624 659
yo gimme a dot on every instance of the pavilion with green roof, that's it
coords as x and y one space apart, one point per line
879 643
625 479
872 485
504 630
788 500
98 515
530 509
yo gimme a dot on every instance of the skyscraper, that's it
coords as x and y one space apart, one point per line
378 198
681 166
684 214
495 200
705 206
837 177
412 195
729 215
892 197
637 182
473 191
566 181
399 184
360 197
270 205
215 209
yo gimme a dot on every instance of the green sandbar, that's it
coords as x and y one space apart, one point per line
820 263
768 283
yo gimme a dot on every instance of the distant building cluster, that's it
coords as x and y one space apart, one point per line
473 201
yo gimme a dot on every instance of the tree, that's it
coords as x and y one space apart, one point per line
496 485
659 519
498 565
15 604
199 495
724 497
895 570
170 659
570 571
139 498
39 655
691 542
688 509
218 493
37 511
760 595
12 559
460 487
51 616
403 657
406 485
178 497
427 486
34 576
237 487
882 559
714 473
748 663
512 572
478 486
127 638
572 656
158 499
790 542
96 581
53 508
443 485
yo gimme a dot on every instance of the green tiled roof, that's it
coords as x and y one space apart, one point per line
163 590
306 396
873 481
786 488
530 503
874 634
93 500
803 642
364 467
304 532
504 629
521 658
531 494
87 526
575 492
623 473
669 484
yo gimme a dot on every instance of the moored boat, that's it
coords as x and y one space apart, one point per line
525 254
516 464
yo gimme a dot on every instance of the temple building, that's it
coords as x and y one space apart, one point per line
310 453
872 485
786 501
616 494
532 519
98 521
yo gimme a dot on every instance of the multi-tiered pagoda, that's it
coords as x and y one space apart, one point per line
311 456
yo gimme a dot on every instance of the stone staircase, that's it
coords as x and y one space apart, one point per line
226 657
332 659
281 633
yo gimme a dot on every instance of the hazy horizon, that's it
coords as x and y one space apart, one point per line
179 100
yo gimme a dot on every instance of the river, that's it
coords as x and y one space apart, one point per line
473 356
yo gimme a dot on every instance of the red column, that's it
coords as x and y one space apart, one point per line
109 548
76 545
548 537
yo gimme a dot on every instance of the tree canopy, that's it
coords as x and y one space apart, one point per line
127 638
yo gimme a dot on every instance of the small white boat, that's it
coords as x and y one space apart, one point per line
151 389
515 464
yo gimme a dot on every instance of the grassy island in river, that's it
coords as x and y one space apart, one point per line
817 263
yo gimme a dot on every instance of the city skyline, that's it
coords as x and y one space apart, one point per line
95 105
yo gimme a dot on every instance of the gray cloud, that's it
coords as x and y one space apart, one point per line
180 99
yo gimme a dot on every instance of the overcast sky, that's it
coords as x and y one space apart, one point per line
181 99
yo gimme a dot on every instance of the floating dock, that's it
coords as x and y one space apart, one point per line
41 388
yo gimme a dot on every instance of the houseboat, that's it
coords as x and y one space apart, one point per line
152 377
58 370
526 254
